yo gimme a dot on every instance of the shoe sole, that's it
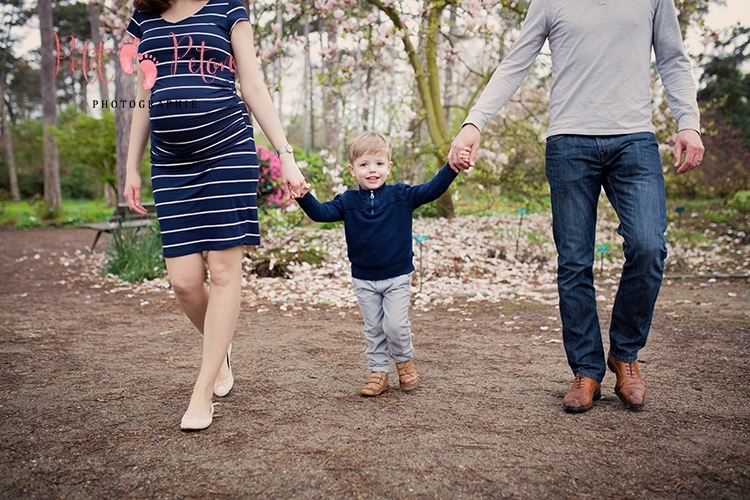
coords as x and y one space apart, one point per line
372 395
628 404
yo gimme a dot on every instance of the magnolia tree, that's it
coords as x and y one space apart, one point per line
410 69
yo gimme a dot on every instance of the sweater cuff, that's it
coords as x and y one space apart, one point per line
476 118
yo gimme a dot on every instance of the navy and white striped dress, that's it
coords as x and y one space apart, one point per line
204 167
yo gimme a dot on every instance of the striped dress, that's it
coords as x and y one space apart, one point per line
204 167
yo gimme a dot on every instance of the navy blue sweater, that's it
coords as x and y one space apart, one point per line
378 223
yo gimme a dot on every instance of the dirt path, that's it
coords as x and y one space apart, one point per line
93 383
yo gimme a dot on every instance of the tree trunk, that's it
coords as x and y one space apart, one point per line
96 38
15 194
52 192
423 60
330 98
444 204
110 195
308 120
124 91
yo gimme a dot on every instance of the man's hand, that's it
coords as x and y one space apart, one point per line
688 142
467 140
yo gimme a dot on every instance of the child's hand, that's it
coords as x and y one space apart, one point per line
465 154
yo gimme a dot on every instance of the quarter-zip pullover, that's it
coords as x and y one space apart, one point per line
378 223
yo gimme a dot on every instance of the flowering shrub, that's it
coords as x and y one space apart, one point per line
270 193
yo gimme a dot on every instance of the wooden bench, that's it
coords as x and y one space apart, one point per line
122 217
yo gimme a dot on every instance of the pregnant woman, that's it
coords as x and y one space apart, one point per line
204 167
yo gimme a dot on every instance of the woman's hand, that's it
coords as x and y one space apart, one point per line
293 182
132 194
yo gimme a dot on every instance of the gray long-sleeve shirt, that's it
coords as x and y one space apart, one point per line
601 59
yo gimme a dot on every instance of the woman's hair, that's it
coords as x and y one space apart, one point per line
368 142
152 6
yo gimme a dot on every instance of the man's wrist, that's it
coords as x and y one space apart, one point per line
472 124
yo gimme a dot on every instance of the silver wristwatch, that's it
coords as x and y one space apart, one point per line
286 148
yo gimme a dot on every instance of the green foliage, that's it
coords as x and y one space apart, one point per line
73 212
281 217
135 254
428 210
27 144
740 201
723 216
727 86
87 156
79 182
44 211
331 225
87 145
27 222
323 175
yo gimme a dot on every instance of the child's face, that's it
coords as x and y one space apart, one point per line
371 170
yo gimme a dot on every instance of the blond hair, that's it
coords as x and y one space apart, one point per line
368 142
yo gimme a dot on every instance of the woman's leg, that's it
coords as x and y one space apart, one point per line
220 319
188 282
187 277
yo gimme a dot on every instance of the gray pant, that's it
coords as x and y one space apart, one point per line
385 310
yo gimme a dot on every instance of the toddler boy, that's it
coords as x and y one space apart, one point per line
378 227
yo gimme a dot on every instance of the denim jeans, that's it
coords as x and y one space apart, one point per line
629 169
385 310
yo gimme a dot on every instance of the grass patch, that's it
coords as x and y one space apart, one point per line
72 214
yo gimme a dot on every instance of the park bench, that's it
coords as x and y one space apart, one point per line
122 217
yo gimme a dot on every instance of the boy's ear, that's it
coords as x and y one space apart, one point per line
390 165
351 169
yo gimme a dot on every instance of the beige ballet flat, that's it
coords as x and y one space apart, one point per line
196 423
222 387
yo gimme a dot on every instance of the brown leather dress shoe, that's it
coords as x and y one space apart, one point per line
582 395
376 384
629 386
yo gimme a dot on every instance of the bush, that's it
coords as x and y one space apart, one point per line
740 201
135 254
80 183
270 193
28 222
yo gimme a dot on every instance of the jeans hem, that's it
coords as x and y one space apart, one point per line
592 376
624 359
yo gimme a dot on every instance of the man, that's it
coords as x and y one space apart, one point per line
601 136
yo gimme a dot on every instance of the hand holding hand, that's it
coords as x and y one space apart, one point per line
293 182
467 141
689 142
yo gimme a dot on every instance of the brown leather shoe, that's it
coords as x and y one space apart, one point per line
629 386
582 395
376 384
407 375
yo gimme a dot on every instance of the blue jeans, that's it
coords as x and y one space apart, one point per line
629 169
385 311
